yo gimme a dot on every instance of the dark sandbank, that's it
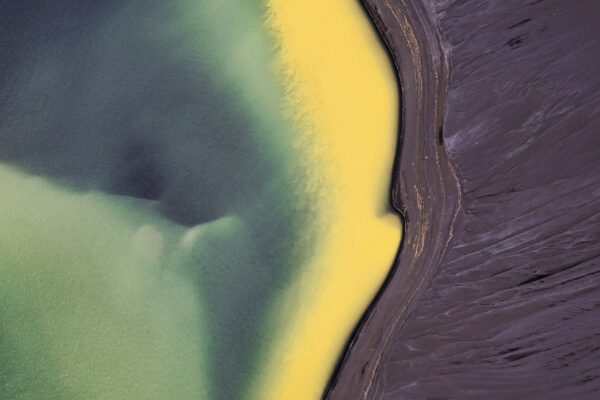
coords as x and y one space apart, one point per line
496 290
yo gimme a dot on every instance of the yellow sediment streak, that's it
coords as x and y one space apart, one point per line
342 91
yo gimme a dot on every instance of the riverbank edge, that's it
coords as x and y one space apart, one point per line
424 190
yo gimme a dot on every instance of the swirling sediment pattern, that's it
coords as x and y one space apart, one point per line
194 195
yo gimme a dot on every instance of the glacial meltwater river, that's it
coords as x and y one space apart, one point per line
194 195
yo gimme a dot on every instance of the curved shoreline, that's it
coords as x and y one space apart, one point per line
497 286
424 190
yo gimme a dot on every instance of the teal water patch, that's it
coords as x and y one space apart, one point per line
167 215
93 305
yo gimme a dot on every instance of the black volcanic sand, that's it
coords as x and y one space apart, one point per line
496 293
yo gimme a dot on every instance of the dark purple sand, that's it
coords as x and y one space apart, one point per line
496 294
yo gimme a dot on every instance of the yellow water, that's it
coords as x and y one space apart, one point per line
342 91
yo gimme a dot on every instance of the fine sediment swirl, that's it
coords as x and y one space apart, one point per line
194 195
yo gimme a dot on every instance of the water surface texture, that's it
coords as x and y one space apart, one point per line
194 195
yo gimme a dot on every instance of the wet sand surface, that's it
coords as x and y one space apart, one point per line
496 290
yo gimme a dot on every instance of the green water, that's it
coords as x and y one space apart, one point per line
148 203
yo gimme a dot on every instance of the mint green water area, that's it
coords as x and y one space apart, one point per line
149 201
